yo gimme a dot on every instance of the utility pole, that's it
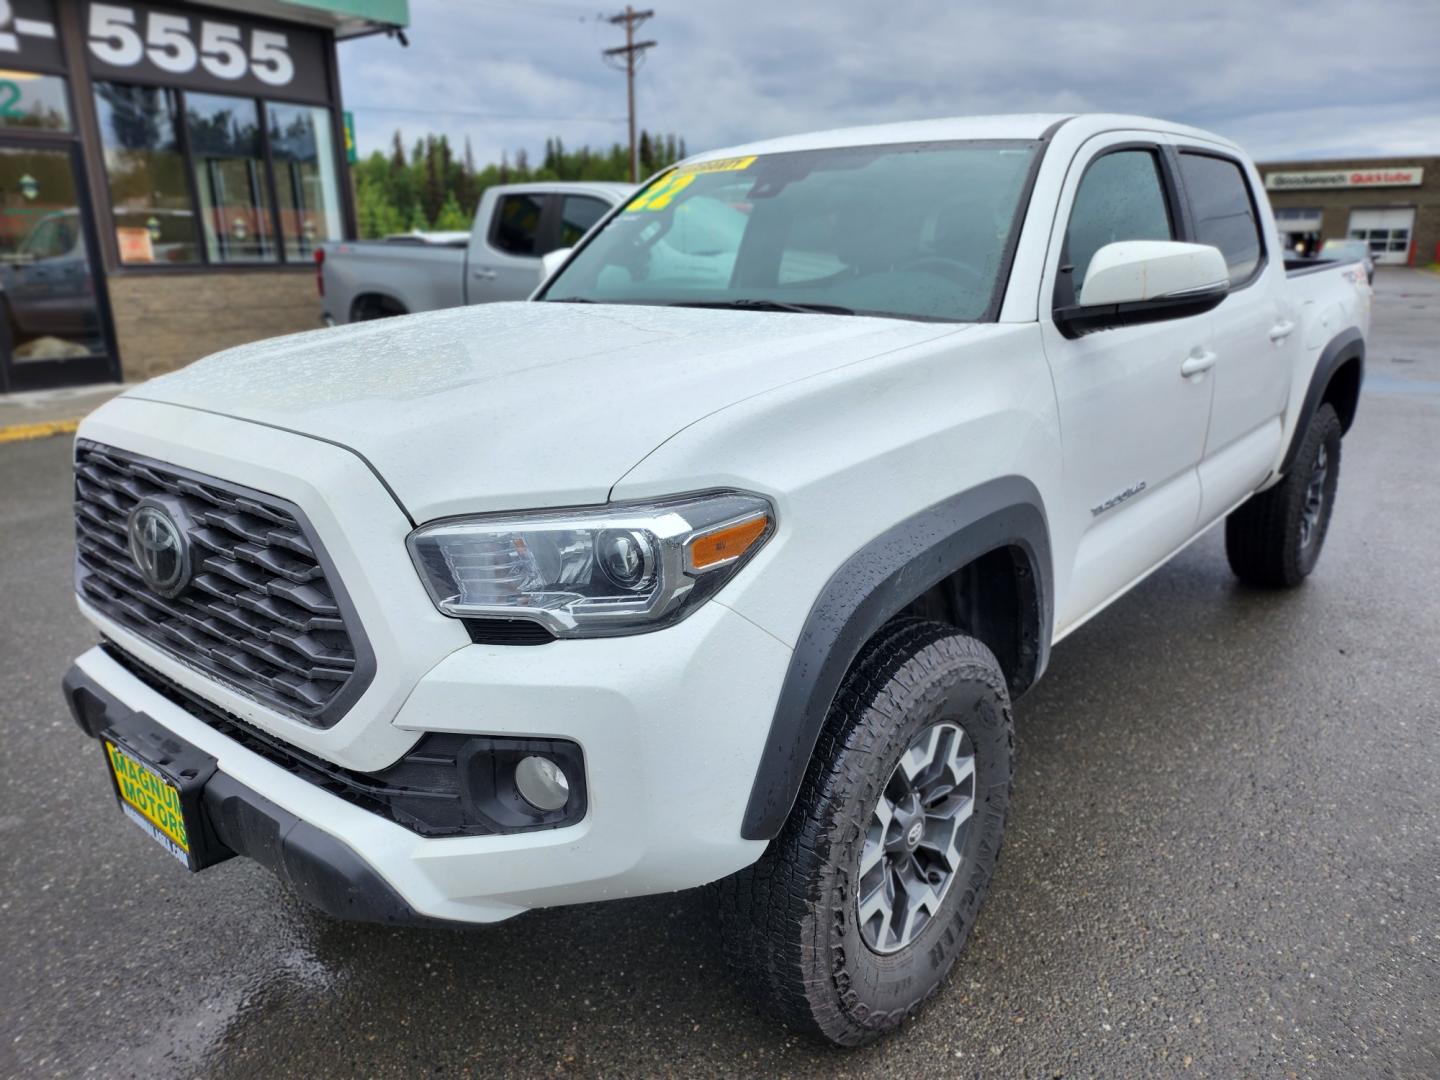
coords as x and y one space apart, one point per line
632 51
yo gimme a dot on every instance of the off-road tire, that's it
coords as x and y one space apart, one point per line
789 922
1266 537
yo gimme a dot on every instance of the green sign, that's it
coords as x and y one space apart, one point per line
350 154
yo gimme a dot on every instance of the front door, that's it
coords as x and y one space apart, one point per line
505 250
54 327
1132 420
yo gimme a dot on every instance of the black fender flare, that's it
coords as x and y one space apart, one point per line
1345 346
869 589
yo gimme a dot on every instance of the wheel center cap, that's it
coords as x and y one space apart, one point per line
917 830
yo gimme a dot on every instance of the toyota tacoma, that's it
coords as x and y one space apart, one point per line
723 557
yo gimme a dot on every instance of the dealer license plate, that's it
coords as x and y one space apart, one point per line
150 801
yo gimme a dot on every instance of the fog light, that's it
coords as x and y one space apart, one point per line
542 783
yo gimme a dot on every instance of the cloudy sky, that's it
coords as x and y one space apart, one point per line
1286 78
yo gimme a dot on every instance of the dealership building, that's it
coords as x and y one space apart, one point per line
166 172
1393 204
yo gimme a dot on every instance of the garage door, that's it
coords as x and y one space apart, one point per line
1386 231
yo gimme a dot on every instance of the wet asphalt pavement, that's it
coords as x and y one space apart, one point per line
1223 857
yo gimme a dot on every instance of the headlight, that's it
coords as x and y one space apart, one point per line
618 569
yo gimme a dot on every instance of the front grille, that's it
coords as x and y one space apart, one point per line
262 612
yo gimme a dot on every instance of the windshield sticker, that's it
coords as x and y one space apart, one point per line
658 195
733 164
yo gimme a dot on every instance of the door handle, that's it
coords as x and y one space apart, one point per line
1281 330
484 274
1197 363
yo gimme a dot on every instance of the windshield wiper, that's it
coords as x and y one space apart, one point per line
747 304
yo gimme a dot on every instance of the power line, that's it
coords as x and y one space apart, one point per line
633 51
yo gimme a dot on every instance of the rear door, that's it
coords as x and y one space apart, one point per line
505 250
1133 425
1255 327
523 226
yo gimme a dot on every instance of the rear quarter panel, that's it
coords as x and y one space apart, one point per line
1329 301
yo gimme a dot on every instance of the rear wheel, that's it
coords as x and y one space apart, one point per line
857 911
373 306
1275 538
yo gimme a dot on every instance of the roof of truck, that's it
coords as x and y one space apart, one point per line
562 186
1005 126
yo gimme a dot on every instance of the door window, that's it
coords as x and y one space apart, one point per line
577 214
49 314
517 224
1224 212
1121 197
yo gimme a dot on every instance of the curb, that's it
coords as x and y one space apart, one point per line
43 430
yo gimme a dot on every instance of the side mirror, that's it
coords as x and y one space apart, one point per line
552 261
1139 281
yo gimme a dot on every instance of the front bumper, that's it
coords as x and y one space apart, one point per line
671 742
323 870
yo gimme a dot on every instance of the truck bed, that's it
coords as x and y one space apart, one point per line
358 268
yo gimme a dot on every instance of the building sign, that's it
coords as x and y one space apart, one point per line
351 154
1389 176
29 37
223 54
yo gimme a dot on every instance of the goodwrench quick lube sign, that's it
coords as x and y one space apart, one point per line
1389 176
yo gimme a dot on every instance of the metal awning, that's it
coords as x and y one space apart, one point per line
347 18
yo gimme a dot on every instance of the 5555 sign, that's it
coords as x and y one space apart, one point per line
146 43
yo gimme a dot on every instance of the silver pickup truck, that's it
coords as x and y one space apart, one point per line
515 224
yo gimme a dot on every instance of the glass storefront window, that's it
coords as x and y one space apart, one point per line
28 100
229 167
215 190
305 184
149 195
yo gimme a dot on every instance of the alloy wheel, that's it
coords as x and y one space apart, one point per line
1314 498
915 837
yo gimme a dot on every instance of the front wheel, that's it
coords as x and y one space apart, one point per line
1274 539
857 911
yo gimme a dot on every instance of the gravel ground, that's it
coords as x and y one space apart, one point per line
1223 859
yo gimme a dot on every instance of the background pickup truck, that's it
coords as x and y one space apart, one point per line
721 558
515 224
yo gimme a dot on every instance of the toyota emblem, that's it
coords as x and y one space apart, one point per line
160 548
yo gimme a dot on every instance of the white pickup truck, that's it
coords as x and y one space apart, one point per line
723 557
499 259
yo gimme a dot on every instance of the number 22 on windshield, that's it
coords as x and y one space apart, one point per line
659 194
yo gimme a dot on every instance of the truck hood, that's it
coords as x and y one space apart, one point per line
517 405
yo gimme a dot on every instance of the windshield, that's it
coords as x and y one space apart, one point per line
912 231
